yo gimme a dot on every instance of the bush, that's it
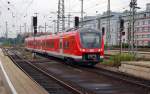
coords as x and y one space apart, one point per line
108 62
116 59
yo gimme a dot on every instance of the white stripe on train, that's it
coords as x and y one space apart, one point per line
60 55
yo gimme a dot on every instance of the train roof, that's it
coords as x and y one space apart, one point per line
71 31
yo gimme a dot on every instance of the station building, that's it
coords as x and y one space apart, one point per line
101 21
142 26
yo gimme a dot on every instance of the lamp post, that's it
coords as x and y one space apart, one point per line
81 13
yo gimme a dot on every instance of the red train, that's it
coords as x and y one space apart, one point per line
82 46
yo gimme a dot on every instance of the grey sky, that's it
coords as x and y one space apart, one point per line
21 10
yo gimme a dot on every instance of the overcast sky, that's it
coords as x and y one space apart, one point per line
20 11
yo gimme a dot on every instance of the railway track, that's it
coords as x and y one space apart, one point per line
99 84
90 79
115 75
119 76
47 81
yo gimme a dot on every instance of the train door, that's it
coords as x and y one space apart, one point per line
149 44
41 44
61 46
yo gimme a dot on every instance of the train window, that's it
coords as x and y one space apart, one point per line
72 42
34 43
47 44
60 44
42 44
52 44
37 43
66 44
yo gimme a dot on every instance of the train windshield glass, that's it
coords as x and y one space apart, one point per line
90 39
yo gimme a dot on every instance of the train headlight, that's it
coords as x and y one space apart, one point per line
83 50
99 50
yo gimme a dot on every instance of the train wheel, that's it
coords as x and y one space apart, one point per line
66 60
69 61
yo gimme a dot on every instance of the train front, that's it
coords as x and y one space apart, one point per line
91 46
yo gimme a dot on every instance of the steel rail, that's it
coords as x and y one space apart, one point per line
118 75
62 83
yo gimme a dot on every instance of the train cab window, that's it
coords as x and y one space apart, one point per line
90 38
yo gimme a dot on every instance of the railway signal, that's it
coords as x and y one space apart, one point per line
76 22
121 32
35 24
121 24
103 31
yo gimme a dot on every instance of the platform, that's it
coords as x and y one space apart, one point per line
15 81
139 69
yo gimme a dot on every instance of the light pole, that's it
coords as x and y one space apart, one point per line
81 13
6 33
55 21
108 24
133 7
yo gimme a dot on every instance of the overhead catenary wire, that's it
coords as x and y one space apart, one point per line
26 8
14 11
